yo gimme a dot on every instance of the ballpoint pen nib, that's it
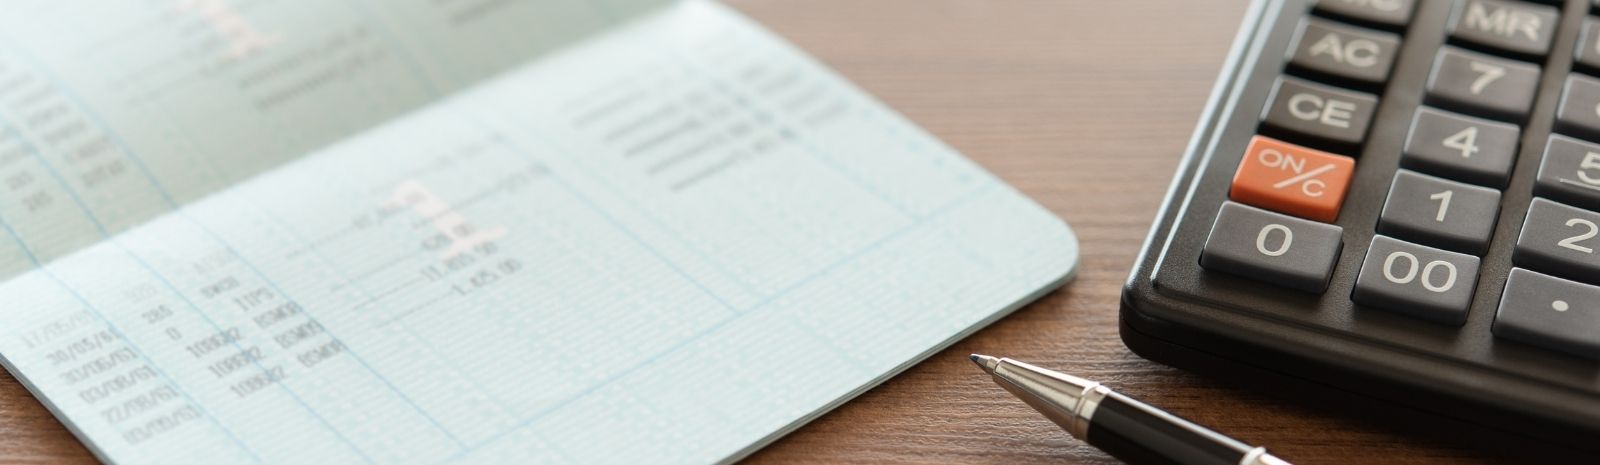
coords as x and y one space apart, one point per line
988 363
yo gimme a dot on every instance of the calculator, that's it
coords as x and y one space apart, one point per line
1394 205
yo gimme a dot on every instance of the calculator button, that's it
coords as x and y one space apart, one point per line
1550 312
1345 52
1385 12
1291 179
1570 172
1439 212
1279 249
1321 111
1461 147
1511 26
1480 83
1579 113
1559 240
1588 53
1423 282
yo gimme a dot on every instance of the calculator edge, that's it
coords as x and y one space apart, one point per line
1223 348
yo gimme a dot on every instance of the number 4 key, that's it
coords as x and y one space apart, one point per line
1461 147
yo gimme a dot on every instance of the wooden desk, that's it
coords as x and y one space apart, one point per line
1086 106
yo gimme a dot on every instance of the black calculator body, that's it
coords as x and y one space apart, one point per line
1394 206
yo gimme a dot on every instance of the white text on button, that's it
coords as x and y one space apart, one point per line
1358 52
1312 107
1503 21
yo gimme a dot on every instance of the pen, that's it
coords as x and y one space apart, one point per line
1125 428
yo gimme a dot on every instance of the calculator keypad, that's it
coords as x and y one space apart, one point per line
1434 232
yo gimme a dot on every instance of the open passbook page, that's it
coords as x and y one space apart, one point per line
473 232
147 105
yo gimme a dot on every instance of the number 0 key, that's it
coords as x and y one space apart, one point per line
1280 249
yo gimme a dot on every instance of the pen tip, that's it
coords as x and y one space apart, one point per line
988 363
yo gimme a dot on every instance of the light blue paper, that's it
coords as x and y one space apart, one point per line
666 238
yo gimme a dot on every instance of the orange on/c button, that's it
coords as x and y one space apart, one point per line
1291 179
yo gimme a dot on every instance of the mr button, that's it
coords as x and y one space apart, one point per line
1511 26
1291 179
1326 112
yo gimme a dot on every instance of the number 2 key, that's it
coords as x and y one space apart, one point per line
1560 240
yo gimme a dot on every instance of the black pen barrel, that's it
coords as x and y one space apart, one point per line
1143 435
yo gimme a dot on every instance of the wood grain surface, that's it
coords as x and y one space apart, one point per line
1085 105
